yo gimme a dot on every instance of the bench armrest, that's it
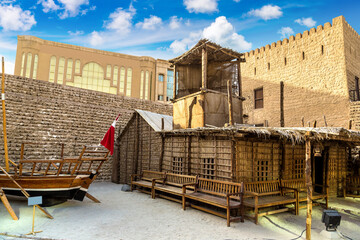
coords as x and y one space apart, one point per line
134 175
251 193
188 184
290 188
233 194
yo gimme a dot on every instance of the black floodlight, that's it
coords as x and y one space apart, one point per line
332 219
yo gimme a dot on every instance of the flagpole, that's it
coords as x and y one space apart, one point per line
4 115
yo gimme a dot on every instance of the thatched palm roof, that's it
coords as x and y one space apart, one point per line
296 135
215 53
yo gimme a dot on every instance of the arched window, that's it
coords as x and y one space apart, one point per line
122 80
147 85
28 65
115 75
60 77
108 71
69 68
77 66
22 65
141 84
36 60
128 82
52 69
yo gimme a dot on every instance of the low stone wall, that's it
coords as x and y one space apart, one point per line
48 113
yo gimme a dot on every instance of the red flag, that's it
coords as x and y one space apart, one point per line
108 140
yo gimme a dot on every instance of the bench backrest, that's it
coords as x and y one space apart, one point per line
353 181
179 179
293 183
216 187
263 187
149 175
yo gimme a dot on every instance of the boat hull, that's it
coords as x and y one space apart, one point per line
53 189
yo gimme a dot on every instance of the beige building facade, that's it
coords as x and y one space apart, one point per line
313 76
140 77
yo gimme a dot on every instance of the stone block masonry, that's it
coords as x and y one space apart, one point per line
48 113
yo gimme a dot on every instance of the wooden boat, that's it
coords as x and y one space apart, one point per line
57 180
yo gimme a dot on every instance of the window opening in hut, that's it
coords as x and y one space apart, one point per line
259 98
161 97
177 165
169 84
263 170
161 77
299 166
208 168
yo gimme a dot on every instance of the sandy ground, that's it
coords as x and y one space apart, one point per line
134 215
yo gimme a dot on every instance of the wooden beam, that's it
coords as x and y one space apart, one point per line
231 119
204 68
308 185
7 205
92 198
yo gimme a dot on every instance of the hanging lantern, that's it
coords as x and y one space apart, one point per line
317 151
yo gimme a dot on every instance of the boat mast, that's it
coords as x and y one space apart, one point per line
4 115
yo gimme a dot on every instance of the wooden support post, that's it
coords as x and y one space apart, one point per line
308 185
162 124
314 124
229 88
282 118
175 83
4 115
7 205
240 90
92 198
162 152
204 68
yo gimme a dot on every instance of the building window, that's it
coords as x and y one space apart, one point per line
268 66
115 75
177 165
357 91
52 69
254 71
299 166
22 65
169 85
122 80
28 65
303 55
262 170
108 71
259 98
208 168
147 85
322 49
141 84
60 77
77 66
128 82
69 68
161 97
36 60
285 61
161 77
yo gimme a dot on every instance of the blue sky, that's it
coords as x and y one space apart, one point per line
164 28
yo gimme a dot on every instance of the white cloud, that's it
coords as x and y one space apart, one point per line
237 1
76 33
71 7
267 12
13 18
175 22
96 39
201 6
221 31
120 20
308 22
286 32
48 5
150 23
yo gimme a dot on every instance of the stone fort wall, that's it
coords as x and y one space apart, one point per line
48 113
315 71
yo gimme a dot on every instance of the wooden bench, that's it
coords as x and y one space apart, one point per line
147 180
352 186
172 185
226 195
259 195
299 187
